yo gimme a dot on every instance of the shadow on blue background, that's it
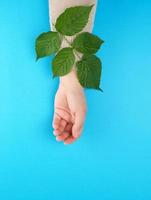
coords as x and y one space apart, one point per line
112 160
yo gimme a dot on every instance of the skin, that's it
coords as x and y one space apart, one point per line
70 102
69 109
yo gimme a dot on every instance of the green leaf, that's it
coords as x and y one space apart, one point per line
47 44
73 20
63 62
89 71
87 43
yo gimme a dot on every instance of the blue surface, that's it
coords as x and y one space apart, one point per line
112 160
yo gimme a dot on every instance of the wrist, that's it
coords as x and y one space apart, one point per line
70 81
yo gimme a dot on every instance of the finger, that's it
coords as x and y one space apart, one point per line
56 121
61 128
78 124
56 132
62 125
68 128
64 114
63 136
70 140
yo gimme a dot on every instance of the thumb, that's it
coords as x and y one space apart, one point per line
78 123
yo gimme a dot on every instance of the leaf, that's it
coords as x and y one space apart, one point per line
89 71
87 43
63 62
73 20
47 44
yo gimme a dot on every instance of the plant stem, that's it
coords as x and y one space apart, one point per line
67 41
76 53
53 25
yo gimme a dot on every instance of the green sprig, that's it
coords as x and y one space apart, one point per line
71 23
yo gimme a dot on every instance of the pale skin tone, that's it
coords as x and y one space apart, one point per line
70 109
70 103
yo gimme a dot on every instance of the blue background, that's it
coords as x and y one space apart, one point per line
112 159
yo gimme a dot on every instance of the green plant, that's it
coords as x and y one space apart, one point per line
71 23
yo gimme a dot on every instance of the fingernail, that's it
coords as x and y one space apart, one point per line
54 133
58 140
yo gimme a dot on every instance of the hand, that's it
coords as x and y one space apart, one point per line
70 109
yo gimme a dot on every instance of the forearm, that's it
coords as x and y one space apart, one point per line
56 7
70 103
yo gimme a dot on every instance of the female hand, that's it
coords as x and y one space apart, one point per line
69 109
